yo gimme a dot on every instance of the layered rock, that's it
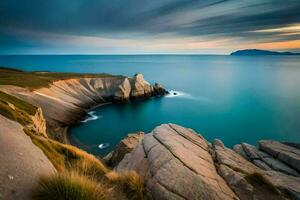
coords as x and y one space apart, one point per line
65 102
177 163
282 175
287 154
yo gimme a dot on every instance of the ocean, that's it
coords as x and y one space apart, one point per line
235 99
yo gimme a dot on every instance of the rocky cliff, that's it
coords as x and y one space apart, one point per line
178 163
22 163
65 102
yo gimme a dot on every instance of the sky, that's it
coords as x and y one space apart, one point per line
148 26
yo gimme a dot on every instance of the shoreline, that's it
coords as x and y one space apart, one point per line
66 130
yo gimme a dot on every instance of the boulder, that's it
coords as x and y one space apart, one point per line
125 146
176 164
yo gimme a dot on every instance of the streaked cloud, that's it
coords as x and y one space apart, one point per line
147 26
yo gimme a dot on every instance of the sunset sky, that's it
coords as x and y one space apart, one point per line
148 26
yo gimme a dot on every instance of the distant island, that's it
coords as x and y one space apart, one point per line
259 52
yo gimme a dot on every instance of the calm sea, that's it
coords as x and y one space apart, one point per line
235 99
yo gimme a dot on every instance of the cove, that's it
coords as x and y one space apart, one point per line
235 99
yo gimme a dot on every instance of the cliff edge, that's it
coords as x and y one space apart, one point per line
65 102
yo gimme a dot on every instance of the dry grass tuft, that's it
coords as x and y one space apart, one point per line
66 186
130 182
67 157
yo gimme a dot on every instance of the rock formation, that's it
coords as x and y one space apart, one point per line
65 102
178 163
124 147
21 162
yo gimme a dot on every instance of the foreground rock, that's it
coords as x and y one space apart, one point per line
65 102
21 162
124 147
177 163
287 154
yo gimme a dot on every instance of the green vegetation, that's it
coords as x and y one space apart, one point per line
22 105
16 109
38 79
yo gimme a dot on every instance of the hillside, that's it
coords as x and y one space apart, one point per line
259 52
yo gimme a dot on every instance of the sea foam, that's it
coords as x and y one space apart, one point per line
91 117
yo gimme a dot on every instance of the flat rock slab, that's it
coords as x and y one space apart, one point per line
21 162
177 165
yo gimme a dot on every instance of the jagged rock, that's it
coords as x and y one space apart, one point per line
287 154
176 164
125 146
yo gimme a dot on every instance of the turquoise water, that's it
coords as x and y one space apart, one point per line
236 99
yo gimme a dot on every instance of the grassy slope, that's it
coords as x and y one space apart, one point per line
80 175
83 175
34 80
20 111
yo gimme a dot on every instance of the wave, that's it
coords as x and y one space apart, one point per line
91 117
103 145
180 94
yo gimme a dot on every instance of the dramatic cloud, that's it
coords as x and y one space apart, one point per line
147 26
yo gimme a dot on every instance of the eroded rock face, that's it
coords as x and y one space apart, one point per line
176 164
65 102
